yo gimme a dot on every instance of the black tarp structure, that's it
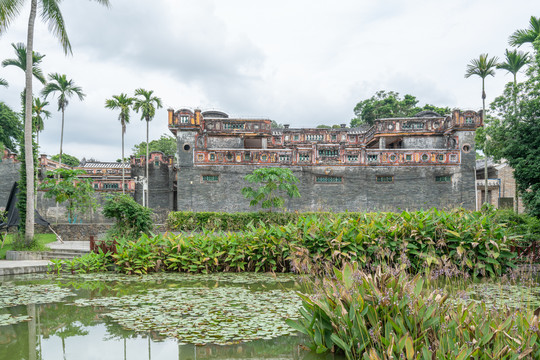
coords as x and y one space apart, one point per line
12 213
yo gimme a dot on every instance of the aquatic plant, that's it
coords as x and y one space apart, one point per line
387 315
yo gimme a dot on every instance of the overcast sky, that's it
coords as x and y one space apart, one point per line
299 62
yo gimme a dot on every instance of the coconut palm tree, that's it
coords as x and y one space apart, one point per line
147 104
65 89
50 13
123 103
39 111
483 67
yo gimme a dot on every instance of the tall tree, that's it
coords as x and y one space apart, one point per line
483 67
39 112
59 84
11 129
514 62
123 103
50 13
147 104
166 144
389 104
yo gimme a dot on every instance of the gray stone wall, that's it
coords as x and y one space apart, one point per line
424 142
9 173
413 187
225 142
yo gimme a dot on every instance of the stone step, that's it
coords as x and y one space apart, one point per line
64 254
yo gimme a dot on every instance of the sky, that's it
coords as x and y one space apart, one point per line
298 62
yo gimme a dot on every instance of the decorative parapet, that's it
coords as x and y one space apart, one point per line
324 155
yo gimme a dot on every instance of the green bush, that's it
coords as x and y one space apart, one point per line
388 315
132 219
215 221
421 241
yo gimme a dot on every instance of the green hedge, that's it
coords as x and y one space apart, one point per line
217 221
461 240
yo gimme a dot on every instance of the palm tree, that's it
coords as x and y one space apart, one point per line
145 102
65 89
3 82
38 109
514 61
122 102
50 13
483 67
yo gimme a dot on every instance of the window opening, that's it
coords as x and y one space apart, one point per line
329 179
385 179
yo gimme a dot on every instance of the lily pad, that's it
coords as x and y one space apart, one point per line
222 315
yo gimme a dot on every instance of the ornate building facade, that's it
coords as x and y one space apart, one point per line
396 164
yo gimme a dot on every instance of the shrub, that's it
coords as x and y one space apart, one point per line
132 219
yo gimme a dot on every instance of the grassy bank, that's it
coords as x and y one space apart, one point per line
40 244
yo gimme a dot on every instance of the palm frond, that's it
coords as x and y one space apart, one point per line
145 102
514 61
3 82
9 11
52 16
482 67
523 36
20 61
58 83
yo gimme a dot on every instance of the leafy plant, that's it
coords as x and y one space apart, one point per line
65 185
388 315
132 219
271 181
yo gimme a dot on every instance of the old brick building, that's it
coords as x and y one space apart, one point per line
398 163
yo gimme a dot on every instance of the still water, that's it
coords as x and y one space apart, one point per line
167 316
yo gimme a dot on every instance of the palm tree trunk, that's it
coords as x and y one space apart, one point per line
122 160
516 194
36 178
61 138
485 145
28 146
147 159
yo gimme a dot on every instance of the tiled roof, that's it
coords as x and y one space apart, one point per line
107 165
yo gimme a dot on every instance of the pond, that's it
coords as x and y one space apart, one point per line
181 316
165 316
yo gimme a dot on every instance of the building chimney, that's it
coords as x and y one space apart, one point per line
171 116
197 117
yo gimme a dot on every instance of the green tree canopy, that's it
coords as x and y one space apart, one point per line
65 185
166 144
272 181
11 127
390 105
515 127
67 159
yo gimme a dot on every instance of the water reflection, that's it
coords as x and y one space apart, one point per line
61 331
40 339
